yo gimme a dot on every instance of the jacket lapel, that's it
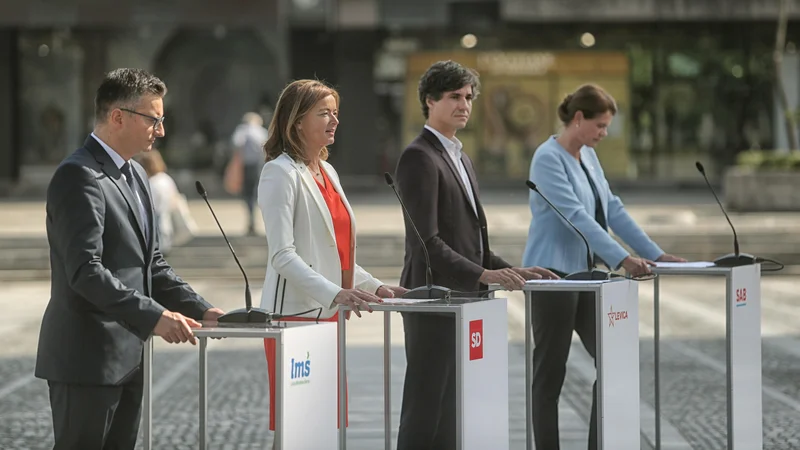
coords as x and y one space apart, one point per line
311 185
437 144
115 175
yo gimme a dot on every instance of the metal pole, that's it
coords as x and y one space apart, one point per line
342 362
203 393
528 371
147 410
657 359
387 379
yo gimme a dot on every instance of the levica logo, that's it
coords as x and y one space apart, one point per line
300 370
616 316
741 297
475 339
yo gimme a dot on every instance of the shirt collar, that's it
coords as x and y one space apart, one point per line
452 146
118 160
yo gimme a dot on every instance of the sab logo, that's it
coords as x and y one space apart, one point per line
300 370
475 339
741 297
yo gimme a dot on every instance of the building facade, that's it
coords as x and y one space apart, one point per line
694 80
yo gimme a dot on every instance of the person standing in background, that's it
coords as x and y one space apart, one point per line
248 159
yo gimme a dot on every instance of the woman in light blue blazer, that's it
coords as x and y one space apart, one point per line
566 170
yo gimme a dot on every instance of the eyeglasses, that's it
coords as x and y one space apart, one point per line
156 120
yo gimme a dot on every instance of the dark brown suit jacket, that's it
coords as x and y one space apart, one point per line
437 200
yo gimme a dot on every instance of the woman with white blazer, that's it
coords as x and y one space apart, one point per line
567 171
310 227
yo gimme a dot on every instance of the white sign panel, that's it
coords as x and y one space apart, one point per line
308 413
744 328
484 386
618 363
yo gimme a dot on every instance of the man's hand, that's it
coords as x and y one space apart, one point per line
390 291
212 314
508 278
175 328
535 273
666 257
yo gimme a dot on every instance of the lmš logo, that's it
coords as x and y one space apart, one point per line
475 339
300 370
615 316
741 297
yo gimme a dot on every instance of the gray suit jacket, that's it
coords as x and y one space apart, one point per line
109 285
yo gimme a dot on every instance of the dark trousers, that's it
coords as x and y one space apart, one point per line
252 174
428 414
96 417
555 315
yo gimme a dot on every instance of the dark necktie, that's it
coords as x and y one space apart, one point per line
138 195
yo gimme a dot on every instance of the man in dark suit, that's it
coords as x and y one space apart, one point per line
110 286
438 185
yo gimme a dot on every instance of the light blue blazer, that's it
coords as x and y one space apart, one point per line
552 243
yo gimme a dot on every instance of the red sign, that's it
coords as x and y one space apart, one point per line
475 339
615 316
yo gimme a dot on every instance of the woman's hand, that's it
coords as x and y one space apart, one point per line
355 299
390 291
637 266
666 257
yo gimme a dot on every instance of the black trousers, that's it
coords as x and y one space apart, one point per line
428 413
555 315
96 417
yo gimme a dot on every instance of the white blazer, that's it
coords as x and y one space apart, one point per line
303 268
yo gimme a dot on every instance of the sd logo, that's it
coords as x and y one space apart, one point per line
476 339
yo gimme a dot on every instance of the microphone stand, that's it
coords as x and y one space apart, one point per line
429 291
248 314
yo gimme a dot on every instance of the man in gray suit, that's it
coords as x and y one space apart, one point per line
110 285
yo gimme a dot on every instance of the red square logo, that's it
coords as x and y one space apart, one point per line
475 339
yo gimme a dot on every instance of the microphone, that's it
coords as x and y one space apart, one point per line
591 273
734 259
429 291
248 314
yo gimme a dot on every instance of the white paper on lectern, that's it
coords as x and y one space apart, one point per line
745 308
406 301
310 415
529 282
685 265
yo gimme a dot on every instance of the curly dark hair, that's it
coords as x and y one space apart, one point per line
446 76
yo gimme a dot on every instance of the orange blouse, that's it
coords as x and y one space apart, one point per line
341 220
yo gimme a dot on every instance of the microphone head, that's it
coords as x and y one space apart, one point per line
700 167
200 189
531 185
389 179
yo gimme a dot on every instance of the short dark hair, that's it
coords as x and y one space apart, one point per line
124 87
590 99
446 76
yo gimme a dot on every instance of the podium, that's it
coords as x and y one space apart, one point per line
481 367
617 362
305 391
743 347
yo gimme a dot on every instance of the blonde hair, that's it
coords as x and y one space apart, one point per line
295 102
152 162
